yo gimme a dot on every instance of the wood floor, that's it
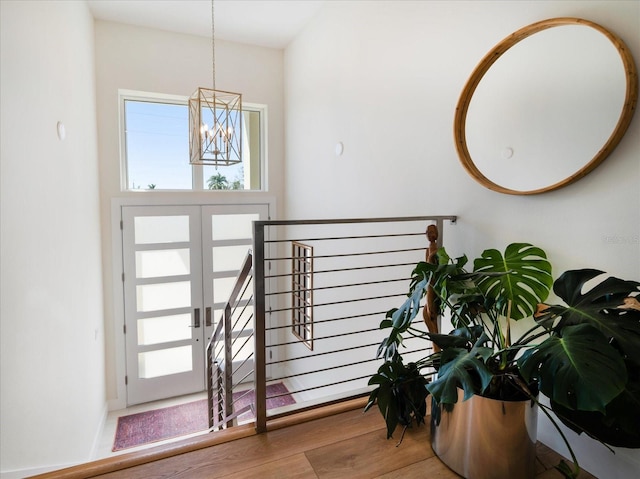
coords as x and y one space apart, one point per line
349 444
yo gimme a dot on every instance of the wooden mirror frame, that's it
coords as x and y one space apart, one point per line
631 98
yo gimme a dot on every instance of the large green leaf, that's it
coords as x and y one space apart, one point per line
522 276
578 370
456 369
402 317
618 426
399 320
602 307
400 395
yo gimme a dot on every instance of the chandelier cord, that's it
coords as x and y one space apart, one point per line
213 48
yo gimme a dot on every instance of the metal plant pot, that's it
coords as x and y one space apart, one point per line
485 438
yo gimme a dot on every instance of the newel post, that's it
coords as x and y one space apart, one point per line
260 325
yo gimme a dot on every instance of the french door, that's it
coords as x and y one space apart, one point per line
180 264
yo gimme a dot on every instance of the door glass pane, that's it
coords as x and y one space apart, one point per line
154 297
163 362
228 258
161 229
240 226
159 263
222 289
164 329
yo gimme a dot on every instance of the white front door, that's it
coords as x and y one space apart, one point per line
180 263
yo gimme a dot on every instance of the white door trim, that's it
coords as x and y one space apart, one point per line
115 361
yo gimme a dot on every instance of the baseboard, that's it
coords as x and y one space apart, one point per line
22 473
34 471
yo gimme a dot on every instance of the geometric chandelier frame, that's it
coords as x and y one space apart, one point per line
215 127
215 121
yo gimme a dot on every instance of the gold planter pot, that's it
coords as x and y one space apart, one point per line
485 438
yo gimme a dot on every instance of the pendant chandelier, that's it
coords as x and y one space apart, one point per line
215 121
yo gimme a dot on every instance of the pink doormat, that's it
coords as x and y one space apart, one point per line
169 422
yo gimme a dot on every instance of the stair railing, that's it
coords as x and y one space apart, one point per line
223 349
359 268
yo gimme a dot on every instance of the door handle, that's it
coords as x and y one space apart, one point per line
196 318
207 316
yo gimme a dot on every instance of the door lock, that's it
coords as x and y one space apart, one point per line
196 318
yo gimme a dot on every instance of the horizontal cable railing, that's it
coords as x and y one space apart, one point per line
322 287
230 356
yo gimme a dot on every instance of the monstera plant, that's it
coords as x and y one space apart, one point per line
583 355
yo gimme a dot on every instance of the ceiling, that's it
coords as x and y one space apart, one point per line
268 23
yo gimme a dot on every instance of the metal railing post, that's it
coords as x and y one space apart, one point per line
210 389
260 325
228 366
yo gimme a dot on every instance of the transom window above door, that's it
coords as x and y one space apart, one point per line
155 147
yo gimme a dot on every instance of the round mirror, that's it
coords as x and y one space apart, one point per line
541 111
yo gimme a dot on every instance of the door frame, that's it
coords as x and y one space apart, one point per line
115 365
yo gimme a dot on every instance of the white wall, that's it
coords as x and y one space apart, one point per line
384 78
357 66
143 59
52 379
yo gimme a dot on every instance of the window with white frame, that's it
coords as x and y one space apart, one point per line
155 147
